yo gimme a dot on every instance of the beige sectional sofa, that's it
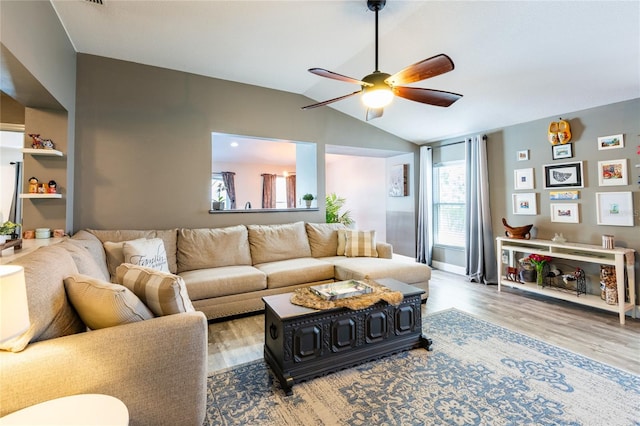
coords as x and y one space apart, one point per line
228 270
158 366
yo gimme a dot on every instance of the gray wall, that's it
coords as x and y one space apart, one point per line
586 127
143 156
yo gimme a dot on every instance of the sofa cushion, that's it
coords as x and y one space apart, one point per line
296 271
223 281
169 237
323 238
83 259
95 247
50 313
149 253
270 243
102 304
210 248
342 241
358 268
360 243
162 292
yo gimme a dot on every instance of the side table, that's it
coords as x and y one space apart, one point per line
86 409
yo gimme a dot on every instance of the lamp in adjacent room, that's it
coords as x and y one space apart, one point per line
14 309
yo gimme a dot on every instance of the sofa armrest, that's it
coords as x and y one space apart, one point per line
158 368
385 250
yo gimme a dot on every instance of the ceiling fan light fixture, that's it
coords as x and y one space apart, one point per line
377 96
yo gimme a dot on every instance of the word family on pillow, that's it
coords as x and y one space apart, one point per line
162 292
360 243
148 253
144 252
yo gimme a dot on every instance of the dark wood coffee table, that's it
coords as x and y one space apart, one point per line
302 343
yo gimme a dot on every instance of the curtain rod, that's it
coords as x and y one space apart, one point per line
484 137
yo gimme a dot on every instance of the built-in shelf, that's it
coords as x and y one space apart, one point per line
40 195
48 152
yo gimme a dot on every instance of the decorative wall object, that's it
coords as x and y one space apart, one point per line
564 195
559 132
523 155
614 208
613 172
525 204
559 152
563 175
611 142
565 212
523 179
398 180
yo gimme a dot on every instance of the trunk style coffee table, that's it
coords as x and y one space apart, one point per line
302 343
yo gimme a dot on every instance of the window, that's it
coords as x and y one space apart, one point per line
449 204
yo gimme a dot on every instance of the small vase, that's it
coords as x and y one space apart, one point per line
540 275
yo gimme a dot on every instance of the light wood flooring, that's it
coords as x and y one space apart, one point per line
590 332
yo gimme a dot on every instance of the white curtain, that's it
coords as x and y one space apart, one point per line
480 251
425 205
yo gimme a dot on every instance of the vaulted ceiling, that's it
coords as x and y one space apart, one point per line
515 61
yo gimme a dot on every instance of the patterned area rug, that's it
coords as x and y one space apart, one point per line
478 374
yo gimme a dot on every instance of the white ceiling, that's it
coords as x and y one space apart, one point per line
516 61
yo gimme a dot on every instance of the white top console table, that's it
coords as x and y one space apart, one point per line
618 257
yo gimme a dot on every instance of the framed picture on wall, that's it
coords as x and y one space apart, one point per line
398 180
565 212
614 208
523 155
611 142
613 172
525 203
564 195
563 175
523 179
559 152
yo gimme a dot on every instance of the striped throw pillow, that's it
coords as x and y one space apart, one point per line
162 292
102 304
360 243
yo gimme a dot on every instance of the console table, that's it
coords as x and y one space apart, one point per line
618 257
302 343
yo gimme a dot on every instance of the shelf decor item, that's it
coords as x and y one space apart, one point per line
518 232
539 261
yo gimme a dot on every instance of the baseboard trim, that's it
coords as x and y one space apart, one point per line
447 267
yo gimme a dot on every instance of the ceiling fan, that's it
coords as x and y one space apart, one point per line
378 88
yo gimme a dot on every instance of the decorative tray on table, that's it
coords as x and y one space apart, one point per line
341 289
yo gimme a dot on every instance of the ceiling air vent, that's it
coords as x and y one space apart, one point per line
95 1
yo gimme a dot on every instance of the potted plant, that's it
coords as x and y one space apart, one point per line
7 230
333 206
219 201
308 198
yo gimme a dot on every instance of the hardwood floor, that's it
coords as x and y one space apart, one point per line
590 332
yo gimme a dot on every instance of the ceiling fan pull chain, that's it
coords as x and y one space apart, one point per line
377 69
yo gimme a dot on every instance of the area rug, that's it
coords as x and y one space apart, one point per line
478 373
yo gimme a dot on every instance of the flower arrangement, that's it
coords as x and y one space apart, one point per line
539 260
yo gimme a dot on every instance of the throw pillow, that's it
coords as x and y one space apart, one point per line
101 304
360 244
115 256
342 240
323 238
149 253
162 292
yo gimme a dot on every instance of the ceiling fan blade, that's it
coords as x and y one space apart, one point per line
374 113
427 96
335 76
330 101
427 68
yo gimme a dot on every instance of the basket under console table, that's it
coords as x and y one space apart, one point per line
620 258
